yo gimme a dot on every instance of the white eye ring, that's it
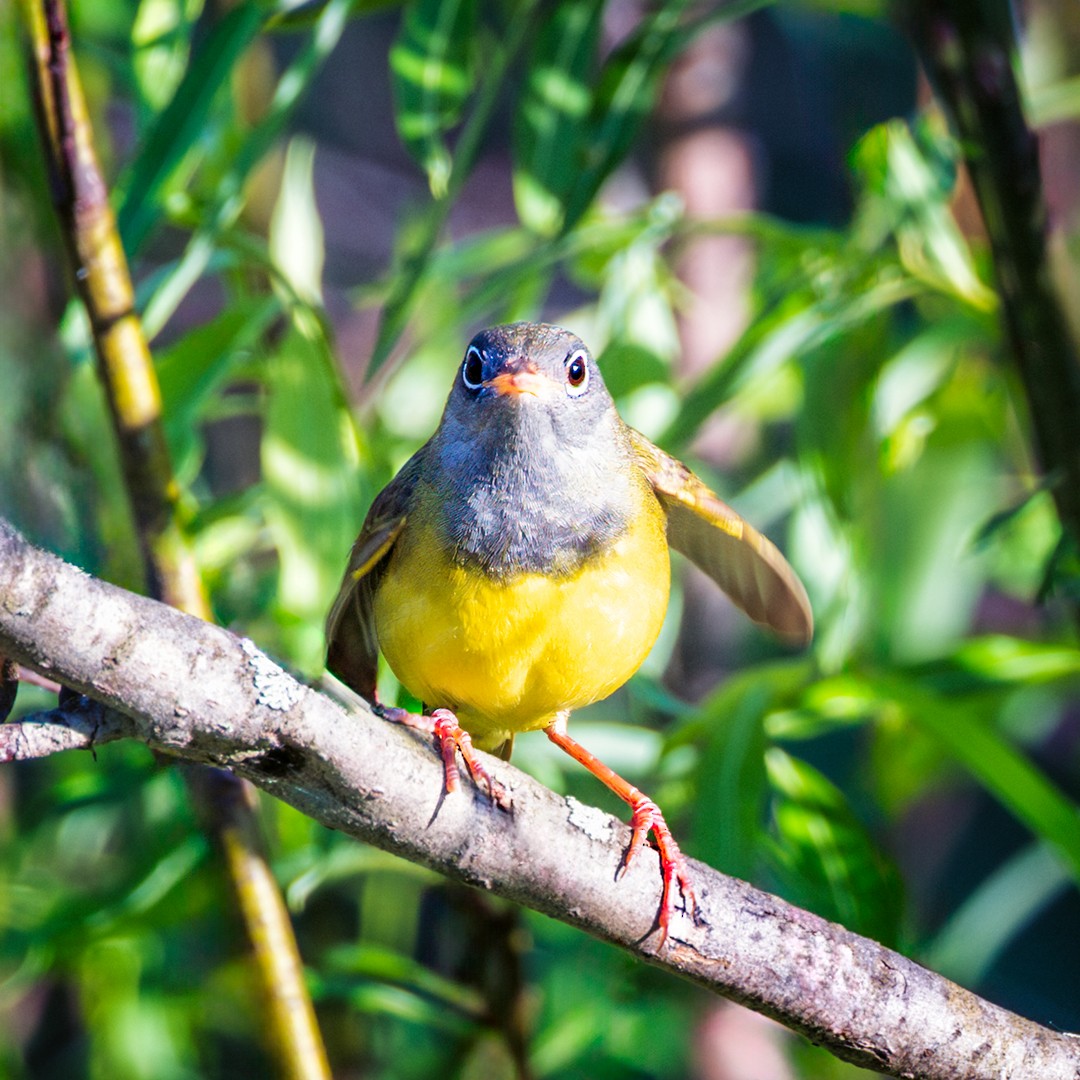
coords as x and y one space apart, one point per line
473 357
577 373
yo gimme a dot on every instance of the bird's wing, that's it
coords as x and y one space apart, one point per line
352 648
745 564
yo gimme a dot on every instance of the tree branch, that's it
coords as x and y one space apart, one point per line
82 724
198 692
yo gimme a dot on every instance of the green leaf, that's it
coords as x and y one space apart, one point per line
1002 658
787 326
910 178
826 856
624 96
965 729
228 191
179 126
729 810
1054 102
386 966
628 365
310 458
552 120
296 229
730 783
420 236
1004 904
193 368
431 66
627 90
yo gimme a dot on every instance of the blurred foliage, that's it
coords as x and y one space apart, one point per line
889 458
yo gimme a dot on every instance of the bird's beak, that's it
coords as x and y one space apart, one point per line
526 381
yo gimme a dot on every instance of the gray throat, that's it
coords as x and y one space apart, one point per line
527 504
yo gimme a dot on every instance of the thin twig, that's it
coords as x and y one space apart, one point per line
83 724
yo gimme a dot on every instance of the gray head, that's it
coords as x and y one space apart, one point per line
530 377
530 457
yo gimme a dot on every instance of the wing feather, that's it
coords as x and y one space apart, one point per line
352 646
745 564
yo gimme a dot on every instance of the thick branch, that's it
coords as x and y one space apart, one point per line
198 692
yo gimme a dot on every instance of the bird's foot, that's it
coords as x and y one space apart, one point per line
452 739
648 818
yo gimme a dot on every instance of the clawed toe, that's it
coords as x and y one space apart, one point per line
648 818
452 739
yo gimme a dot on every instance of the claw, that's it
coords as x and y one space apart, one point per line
452 739
648 818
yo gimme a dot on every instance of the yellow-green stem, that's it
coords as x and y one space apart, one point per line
103 283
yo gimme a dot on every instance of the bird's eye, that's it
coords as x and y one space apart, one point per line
472 371
577 374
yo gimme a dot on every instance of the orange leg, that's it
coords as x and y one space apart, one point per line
451 738
646 818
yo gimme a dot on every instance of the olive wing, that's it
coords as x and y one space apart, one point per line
352 646
745 564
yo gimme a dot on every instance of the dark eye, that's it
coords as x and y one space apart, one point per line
577 374
472 371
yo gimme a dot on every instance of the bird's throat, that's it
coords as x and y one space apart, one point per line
523 507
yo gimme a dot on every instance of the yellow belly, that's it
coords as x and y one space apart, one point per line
508 656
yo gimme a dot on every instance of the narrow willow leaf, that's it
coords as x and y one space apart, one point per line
310 457
627 90
552 121
729 811
420 240
1002 907
296 229
964 728
193 368
829 860
179 126
624 97
432 75
787 327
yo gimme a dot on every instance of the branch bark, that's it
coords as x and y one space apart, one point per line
198 692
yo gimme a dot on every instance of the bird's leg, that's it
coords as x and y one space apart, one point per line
452 738
646 818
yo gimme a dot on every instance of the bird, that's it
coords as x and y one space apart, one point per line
517 567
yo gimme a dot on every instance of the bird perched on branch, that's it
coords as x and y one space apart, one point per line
517 566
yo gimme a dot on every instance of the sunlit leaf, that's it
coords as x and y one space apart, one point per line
296 232
176 127
310 458
828 859
431 65
551 125
197 365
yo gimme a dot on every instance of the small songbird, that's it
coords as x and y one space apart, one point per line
517 566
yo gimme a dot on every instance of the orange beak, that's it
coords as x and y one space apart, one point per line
512 383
